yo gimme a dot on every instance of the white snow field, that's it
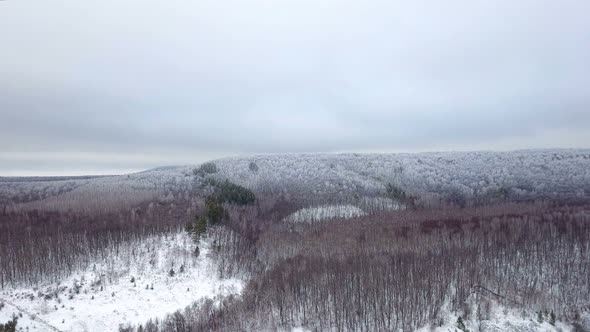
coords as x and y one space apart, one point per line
325 212
103 296
343 211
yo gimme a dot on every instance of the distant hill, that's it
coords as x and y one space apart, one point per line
342 178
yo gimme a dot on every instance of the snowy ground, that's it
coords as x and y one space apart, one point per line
499 319
325 212
104 296
343 211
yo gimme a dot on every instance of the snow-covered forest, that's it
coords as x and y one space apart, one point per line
479 241
462 176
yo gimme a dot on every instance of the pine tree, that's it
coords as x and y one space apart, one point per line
10 326
552 318
215 211
189 228
200 227
461 325
253 167
540 317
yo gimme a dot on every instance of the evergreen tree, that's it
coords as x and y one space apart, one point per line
552 318
10 326
234 194
189 228
461 325
215 211
206 168
395 192
540 317
253 167
200 227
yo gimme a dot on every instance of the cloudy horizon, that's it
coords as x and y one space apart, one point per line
119 86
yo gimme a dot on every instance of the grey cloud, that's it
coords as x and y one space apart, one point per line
209 78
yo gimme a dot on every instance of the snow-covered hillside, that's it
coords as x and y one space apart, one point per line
546 173
44 192
143 280
535 172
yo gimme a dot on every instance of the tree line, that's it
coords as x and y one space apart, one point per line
46 245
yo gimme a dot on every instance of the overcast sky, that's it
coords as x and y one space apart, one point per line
119 85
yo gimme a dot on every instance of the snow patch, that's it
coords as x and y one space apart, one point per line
325 212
